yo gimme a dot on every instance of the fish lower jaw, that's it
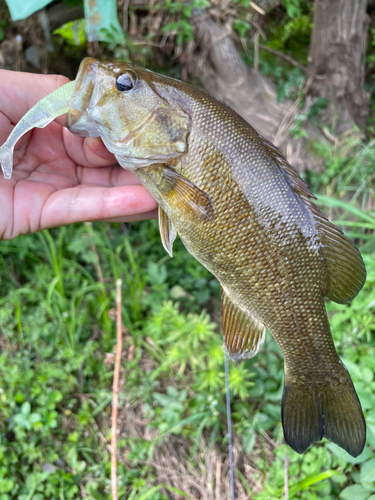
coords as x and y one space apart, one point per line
126 162
129 163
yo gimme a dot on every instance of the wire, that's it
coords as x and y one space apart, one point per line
229 420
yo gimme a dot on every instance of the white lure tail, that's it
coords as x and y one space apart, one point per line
40 115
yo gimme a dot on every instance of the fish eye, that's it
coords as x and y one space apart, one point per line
126 81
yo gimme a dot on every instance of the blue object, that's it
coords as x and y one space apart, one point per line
20 9
100 15
102 21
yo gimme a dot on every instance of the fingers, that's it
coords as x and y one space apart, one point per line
96 153
112 176
79 204
88 152
153 214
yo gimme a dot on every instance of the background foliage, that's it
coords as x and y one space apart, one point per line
57 332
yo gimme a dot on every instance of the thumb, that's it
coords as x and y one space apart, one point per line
87 152
96 153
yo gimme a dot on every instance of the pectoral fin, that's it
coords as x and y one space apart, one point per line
180 193
167 231
195 201
243 334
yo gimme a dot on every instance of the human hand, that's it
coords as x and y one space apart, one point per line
59 178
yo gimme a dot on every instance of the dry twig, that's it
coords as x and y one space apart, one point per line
257 8
116 376
283 56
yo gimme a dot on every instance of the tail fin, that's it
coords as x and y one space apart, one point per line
311 410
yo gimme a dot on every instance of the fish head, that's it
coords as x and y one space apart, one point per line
137 113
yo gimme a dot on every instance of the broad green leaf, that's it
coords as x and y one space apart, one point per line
26 408
6 485
354 492
340 453
73 32
368 471
371 434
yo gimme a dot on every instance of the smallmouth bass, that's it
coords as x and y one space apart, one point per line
246 215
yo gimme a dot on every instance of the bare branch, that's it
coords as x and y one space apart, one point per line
115 390
283 56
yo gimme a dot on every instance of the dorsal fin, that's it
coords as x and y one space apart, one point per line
243 334
346 273
290 173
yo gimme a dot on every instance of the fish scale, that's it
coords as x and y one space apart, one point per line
247 249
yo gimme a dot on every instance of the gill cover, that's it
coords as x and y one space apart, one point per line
141 124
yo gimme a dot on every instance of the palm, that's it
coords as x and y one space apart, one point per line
57 181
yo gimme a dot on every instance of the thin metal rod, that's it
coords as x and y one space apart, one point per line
229 420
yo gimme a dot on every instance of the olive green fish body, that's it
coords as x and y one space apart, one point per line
245 214
262 245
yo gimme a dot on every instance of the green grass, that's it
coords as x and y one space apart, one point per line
57 338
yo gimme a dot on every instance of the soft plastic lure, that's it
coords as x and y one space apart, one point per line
40 115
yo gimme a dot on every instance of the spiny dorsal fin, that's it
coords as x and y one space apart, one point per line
243 334
290 173
346 272
167 231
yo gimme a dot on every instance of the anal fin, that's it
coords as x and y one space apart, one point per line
167 231
243 334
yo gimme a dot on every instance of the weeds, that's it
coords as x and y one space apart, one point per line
56 367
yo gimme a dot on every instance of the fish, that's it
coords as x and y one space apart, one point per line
246 215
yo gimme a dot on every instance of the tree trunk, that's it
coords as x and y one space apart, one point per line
336 61
224 74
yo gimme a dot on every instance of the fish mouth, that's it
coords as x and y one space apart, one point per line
84 119
90 88
85 83
77 120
